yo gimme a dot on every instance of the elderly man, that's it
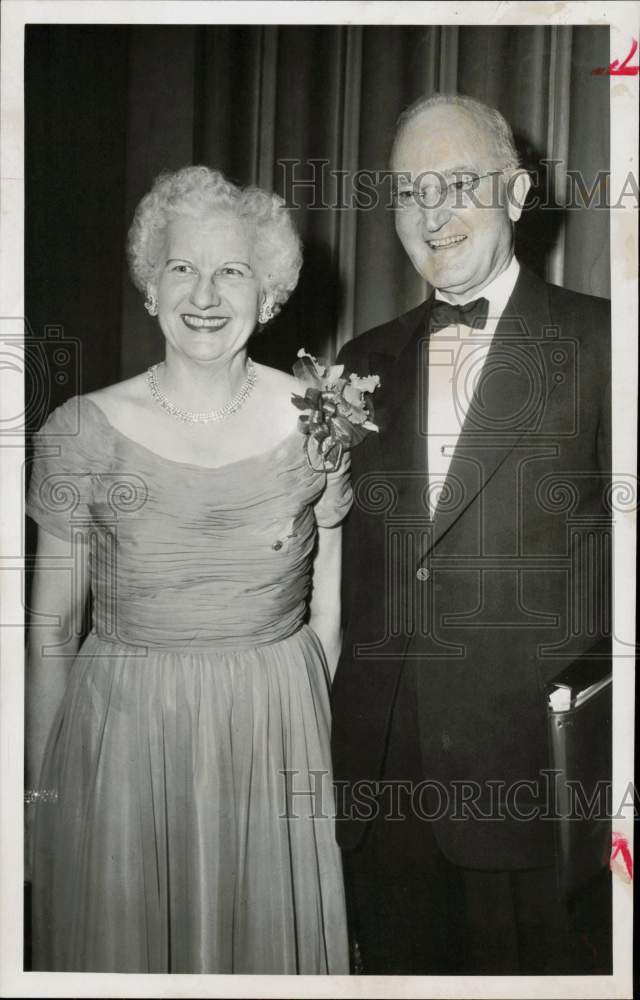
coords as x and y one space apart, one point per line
479 534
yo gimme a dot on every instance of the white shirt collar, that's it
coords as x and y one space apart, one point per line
497 291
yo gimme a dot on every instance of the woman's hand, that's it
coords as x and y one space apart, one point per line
58 600
324 616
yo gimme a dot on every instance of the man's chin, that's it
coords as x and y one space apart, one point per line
452 280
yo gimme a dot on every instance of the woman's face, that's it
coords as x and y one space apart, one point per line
208 292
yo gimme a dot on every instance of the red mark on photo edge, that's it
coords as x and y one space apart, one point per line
620 846
616 68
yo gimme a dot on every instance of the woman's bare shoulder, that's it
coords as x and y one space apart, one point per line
275 389
277 381
132 394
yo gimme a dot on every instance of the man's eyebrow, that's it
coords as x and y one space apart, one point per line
463 168
408 178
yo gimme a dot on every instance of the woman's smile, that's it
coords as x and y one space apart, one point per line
204 323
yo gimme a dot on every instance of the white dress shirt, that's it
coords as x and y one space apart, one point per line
456 358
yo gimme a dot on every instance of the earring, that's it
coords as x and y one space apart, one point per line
266 312
151 304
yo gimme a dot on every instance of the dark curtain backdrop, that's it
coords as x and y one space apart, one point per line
108 107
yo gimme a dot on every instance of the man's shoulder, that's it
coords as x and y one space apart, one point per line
583 319
532 290
387 338
589 309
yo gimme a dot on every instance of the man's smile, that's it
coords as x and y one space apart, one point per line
445 242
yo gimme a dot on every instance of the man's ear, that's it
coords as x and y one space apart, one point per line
517 190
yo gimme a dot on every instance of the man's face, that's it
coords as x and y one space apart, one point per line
458 242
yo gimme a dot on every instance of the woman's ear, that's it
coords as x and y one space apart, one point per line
267 309
518 187
151 301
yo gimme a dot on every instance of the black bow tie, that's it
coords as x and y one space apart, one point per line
473 314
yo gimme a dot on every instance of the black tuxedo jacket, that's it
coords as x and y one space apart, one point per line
502 590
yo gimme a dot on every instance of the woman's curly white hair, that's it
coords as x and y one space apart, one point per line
199 192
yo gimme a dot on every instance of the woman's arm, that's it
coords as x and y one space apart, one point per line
325 597
59 596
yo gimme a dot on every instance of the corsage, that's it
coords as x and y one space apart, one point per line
338 413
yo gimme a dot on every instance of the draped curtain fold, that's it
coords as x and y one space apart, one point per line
109 107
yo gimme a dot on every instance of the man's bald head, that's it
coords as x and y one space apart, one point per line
486 120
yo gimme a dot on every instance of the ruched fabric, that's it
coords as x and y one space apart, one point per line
182 835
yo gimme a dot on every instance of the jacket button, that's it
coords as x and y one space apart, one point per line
423 574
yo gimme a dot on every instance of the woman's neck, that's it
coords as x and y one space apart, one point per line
202 386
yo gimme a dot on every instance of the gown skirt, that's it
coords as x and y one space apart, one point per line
188 820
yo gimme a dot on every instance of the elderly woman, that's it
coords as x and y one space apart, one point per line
171 754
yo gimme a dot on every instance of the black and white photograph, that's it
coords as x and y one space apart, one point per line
318 498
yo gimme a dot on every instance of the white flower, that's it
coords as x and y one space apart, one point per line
366 383
320 369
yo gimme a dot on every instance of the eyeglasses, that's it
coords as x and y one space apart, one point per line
457 190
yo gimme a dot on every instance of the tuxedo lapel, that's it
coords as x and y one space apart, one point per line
511 384
401 447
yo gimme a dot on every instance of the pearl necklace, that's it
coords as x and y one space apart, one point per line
205 416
